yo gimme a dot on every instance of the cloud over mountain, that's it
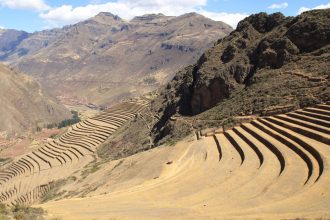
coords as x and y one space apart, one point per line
127 9
303 9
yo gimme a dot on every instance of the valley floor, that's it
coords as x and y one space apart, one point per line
268 169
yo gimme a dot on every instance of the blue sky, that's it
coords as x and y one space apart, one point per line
33 15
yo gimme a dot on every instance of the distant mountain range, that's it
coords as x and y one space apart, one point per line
105 58
24 105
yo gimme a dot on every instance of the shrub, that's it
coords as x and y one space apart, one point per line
75 119
150 80
3 211
52 125
21 212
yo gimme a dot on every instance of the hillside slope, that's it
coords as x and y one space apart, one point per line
31 175
269 64
105 58
9 40
272 168
24 105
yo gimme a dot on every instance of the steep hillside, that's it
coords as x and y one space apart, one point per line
106 58
23 104
269 64
9 40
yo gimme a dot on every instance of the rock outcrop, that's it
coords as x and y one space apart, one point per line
267 61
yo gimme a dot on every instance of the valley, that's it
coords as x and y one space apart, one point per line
144 53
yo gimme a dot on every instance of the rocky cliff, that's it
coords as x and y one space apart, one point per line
269 64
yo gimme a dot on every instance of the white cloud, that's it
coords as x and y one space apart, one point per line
279 6
2 27
38 5
127 9
303 9
67 14
229 18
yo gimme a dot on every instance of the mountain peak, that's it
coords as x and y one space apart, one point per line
191 14
106 16
148 17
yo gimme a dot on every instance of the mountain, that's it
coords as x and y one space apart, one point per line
9 40
106 58
270 64
24 105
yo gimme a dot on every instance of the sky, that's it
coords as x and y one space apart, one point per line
35 15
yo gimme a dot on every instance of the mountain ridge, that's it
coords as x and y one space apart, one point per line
93 59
